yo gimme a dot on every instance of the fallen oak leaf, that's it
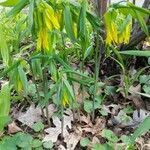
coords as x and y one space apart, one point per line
97 127
72 139
31 116
54 132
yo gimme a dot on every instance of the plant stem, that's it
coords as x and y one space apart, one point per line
37 90
62 122
45 87
96 75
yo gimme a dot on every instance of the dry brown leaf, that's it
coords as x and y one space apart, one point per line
136 98
72 139
13 128
97 128
80 94
86 119
54 132
112 109
31 116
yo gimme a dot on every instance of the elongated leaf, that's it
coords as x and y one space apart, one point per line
68 23
9 3
69 88
142 22
144 94
128 8
4 47
143 127
142 10
31 14
17 8
5 100
136 53
125 23
82 20
36 68
88 52
15 65
23 78
4 105
92 18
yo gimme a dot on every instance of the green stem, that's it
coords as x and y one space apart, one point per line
37 90
45 87
96 75
62 121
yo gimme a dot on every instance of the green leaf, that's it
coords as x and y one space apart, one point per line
136 53
36 143
31 14
127 9
88 105
126 21
82 20
17 8
142 22
14 65
36 68
68 23
94 20
4 47
24 140
69 88
84 142
48 145
8 143
3 122
102 147
5 100
142 10
88 52
109 135
4 106
142 128
144 79
37 127
23 78
125 139
9 3
146 89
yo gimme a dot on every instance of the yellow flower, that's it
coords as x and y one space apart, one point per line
42 41
47 21
65 100
118 30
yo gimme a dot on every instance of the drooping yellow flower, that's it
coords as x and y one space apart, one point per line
47 21
65 100
52 19
42 41
118 27
127 33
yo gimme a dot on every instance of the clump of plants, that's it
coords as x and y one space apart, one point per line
52 52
